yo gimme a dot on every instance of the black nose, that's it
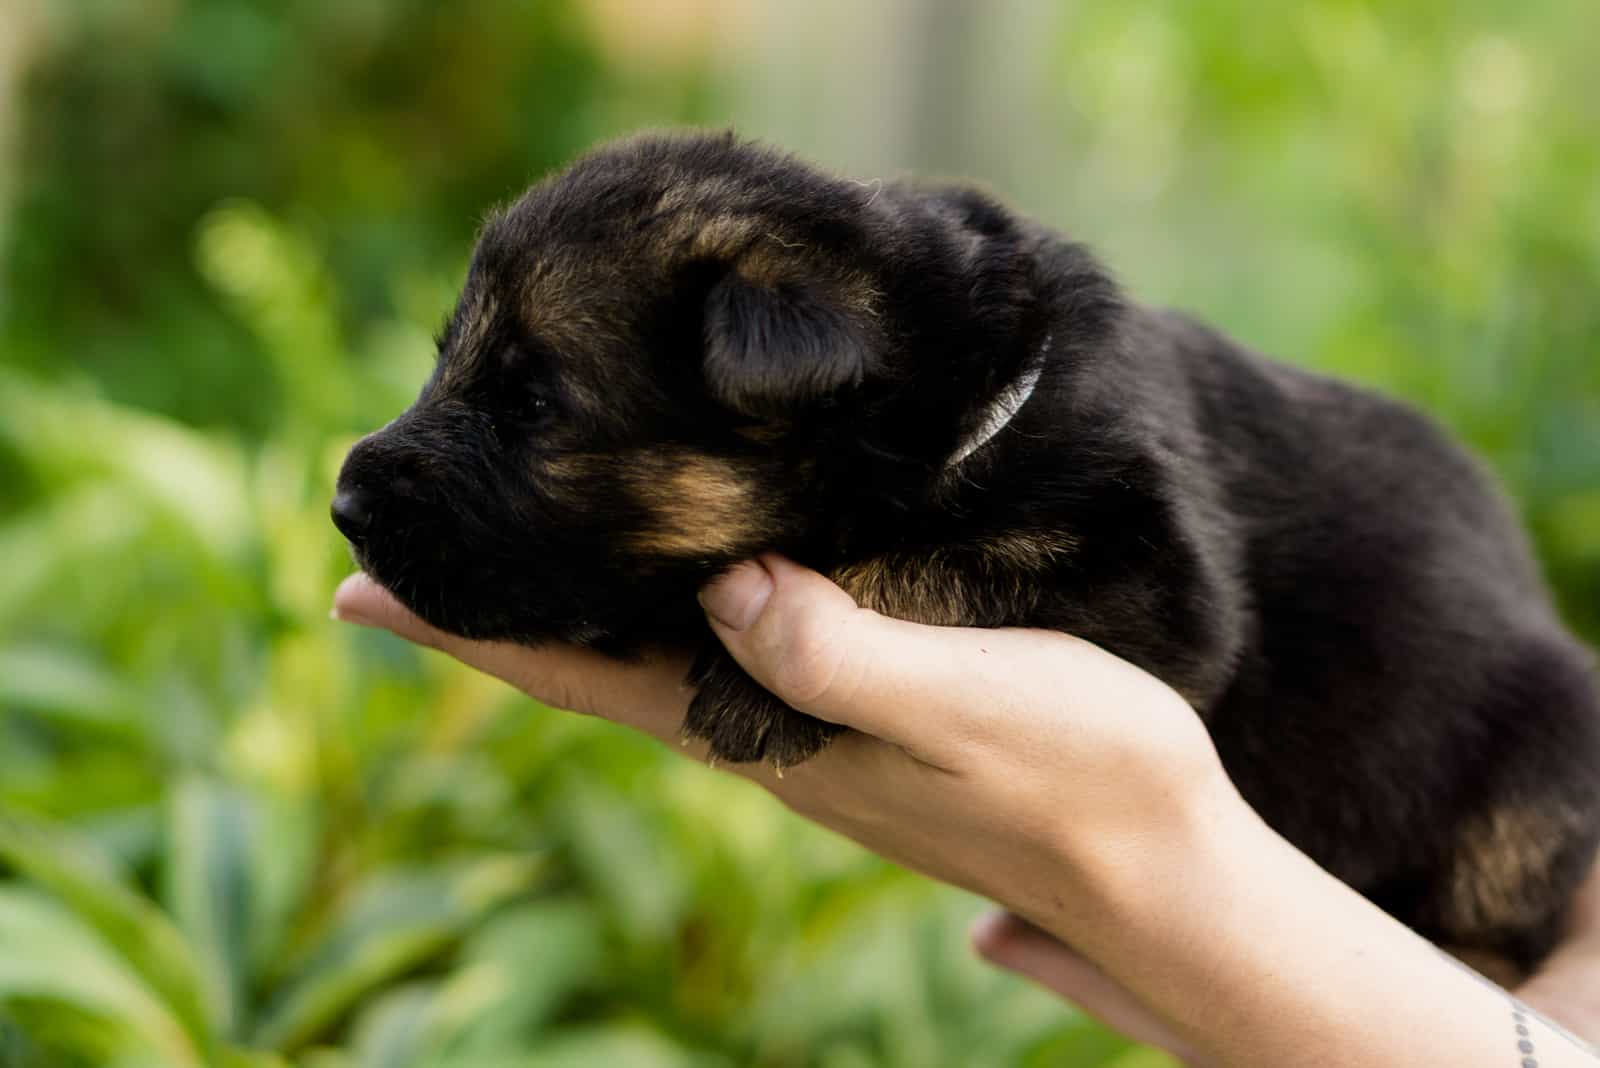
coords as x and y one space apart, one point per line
352 514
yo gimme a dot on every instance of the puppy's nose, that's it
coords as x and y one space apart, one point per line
352 514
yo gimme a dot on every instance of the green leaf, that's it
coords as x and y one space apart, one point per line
522 965
630 1044
91 884
516 970
1144 1057
283 854
60 683
197 477
47 952
209 889
611 840
234 1057
398 1029
387 926
634 1046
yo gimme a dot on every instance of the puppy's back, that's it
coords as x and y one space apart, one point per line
1406 705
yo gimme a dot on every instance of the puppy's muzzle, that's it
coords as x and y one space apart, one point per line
352 514
409 473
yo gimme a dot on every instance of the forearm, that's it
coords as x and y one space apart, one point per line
1258 957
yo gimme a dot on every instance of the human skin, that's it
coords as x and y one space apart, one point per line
1085 797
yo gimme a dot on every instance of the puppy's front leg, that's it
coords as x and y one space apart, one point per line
742 721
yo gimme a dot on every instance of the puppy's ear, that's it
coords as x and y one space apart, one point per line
773 349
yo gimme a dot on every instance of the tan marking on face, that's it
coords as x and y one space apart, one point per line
567 478
858 293
762 433
571 307
688 194
703 217
559 302
697 505
720 234
468 346
579 299
1503 861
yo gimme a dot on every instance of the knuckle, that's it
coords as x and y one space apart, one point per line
814 655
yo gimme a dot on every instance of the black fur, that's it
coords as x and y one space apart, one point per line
771 351
686 350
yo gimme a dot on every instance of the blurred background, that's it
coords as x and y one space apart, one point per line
233 833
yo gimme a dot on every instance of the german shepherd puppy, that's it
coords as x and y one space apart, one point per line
685 350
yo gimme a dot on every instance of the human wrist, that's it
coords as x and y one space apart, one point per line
1148 859
1251 955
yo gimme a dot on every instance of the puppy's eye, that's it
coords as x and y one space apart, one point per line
538 406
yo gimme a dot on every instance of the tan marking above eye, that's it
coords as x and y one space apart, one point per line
466 349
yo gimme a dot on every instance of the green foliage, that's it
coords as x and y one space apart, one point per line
1403 194
234 833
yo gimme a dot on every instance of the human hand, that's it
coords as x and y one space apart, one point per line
1023 765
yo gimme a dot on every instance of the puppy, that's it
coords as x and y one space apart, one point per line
686 350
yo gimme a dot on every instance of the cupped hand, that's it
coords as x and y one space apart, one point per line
1019 764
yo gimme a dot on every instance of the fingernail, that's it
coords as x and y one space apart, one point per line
344 615
989 932
340 612
737 597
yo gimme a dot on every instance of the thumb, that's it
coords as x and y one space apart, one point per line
811 645
792 630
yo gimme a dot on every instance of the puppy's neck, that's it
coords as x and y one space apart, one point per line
1003 408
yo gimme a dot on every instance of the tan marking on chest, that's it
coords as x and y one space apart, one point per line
953 586
926 590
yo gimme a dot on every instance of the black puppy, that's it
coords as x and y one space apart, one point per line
686 350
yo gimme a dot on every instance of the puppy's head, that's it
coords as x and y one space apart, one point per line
679 352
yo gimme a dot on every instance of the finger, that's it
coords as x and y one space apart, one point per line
649 694
1013 943
808 642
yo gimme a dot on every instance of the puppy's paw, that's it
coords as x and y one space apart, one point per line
745 723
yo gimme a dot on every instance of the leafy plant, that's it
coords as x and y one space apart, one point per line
233 833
